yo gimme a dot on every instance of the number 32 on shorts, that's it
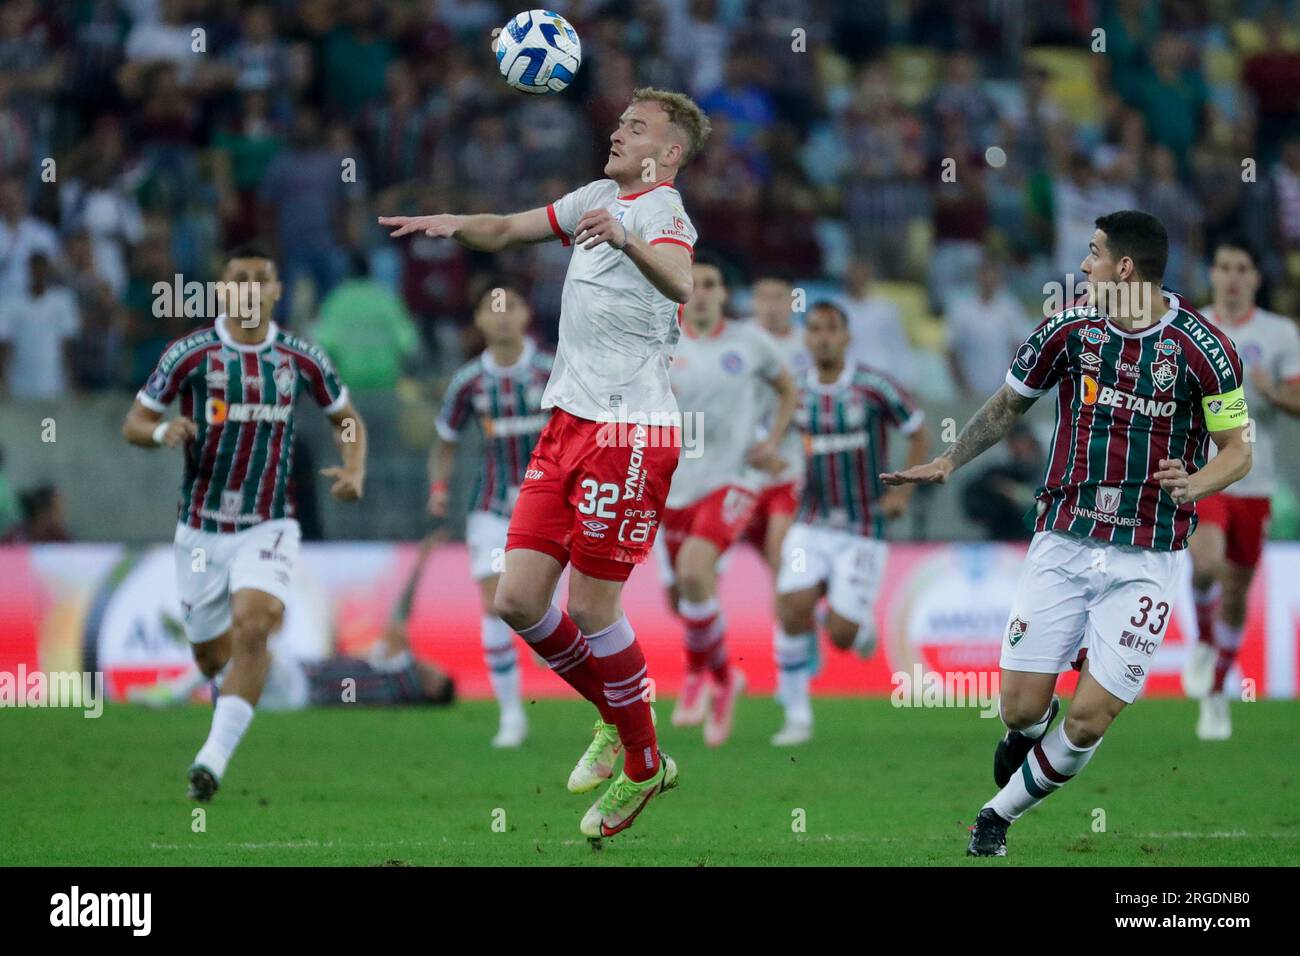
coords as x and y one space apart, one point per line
1144 617
598 501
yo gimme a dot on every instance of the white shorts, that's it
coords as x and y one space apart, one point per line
1076 593
485 533
210 567
851 566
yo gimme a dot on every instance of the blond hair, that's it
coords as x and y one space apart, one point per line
683 112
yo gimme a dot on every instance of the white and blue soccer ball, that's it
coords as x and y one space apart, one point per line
538 52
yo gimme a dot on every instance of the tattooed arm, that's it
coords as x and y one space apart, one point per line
983 431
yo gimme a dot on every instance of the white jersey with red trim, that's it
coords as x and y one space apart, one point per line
1269 342
795 358
719 380
617 331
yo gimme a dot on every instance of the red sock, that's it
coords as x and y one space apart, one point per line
1222 664
1207 609
1228 641
568 655
721 662
703 622
623 670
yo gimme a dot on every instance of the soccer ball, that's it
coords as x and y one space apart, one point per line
538 52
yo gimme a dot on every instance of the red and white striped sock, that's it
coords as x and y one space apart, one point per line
623 669
557 639
1207 610
705 632
1227 640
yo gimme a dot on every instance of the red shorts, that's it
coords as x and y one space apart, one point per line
719 517
772 500
1244 522
594 493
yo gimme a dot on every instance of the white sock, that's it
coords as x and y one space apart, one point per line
794 660
230 718
502 662
1051 764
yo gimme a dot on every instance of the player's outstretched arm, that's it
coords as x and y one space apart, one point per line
894 502
1232 463
350 437
144 427
985 429
488 233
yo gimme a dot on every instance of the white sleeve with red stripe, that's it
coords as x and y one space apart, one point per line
566 212
661 219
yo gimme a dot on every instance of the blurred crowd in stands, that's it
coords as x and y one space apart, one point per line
934 162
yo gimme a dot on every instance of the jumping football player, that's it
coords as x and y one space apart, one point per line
1230 537
236 539
594 490
1143 384
835 548
502 389
722 373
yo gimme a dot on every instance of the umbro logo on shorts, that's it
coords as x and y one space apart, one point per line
594 525
1134 674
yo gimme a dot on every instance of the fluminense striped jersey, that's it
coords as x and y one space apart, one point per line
507 402
241 397
1125 400
844 428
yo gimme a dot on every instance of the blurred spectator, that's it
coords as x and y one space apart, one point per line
877 337
1173 98
37 330
399 134
366 331
260 61
747 105
998 497
698 41
98 350
356 56
306 201
21 237
96 201
148 334
1286 189
244 148
43 517
1174 204
1079 196
1273 77
961 210
985 328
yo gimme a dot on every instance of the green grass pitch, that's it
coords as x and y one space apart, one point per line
879 786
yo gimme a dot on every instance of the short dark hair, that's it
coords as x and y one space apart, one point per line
1241 244
706 258
250 250
832 306
1141 237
